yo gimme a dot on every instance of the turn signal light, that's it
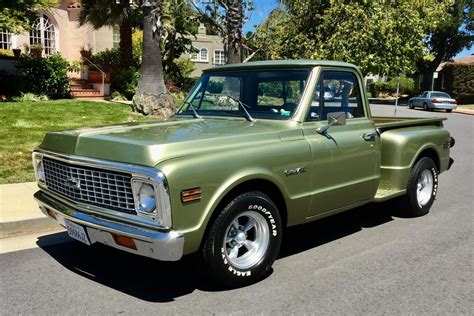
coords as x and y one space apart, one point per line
125 241
191 195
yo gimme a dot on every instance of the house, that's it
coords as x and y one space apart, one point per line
57 30
456 77
209 51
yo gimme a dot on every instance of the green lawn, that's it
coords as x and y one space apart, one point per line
23 125
467 106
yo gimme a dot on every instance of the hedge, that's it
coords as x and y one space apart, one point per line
459 81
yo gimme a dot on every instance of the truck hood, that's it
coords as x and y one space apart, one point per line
149 143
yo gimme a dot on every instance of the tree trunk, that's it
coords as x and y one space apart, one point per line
233 42
152 97
126 56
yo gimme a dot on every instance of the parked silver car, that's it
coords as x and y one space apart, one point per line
430 100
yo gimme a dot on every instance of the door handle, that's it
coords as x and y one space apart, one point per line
369 137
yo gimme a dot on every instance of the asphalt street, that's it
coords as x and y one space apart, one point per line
365 261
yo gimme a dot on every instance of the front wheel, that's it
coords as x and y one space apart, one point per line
243 241
449 110
421 188
410 105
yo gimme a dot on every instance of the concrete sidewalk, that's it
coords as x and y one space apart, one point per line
464 111
19 213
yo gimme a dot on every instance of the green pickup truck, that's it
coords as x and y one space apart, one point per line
254 148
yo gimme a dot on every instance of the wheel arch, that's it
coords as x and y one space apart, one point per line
261 184
429 152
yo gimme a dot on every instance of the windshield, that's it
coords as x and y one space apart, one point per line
269 94
440 95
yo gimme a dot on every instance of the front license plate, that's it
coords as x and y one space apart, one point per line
77 232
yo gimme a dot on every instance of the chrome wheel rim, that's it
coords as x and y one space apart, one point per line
424 187
246 239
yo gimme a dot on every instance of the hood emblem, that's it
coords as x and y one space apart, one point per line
73 183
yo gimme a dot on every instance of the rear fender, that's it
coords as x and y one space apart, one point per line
402 147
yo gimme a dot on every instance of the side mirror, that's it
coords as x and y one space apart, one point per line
334 118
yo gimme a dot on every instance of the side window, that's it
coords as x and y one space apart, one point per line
336 91
424 95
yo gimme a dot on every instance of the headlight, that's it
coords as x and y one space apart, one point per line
39 169
152 198
146 198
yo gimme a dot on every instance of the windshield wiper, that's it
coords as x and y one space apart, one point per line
195 113
244 107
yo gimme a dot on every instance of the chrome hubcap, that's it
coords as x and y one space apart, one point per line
246 239
424 187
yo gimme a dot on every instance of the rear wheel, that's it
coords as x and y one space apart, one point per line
449 110
425 107
421 188
243 241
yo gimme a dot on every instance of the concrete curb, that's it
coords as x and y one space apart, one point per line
464 111
28 226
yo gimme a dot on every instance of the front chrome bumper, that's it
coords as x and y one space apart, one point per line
161 245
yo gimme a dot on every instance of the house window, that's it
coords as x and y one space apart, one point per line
203 55
200 55
116 37
219 58
5 40
44 34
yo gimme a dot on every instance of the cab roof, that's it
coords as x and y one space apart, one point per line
294 63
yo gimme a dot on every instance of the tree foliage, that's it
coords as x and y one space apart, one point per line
18 15
445 40
226 17
382 37
101 13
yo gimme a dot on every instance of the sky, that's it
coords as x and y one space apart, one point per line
263 7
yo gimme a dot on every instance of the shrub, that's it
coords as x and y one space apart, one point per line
459 81
46 76
407 85
31 97
378 87
6 53
126 82
108 60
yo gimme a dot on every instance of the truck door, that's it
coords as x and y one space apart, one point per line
345 165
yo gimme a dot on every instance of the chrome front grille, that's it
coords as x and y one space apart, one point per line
104 188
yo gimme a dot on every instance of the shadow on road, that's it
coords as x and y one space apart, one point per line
156 281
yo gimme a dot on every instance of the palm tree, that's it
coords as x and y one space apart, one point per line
233 41
152 97
101 13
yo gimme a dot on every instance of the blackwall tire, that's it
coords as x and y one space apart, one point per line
243 241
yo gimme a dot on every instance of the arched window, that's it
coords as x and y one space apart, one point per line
203 54
44 33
